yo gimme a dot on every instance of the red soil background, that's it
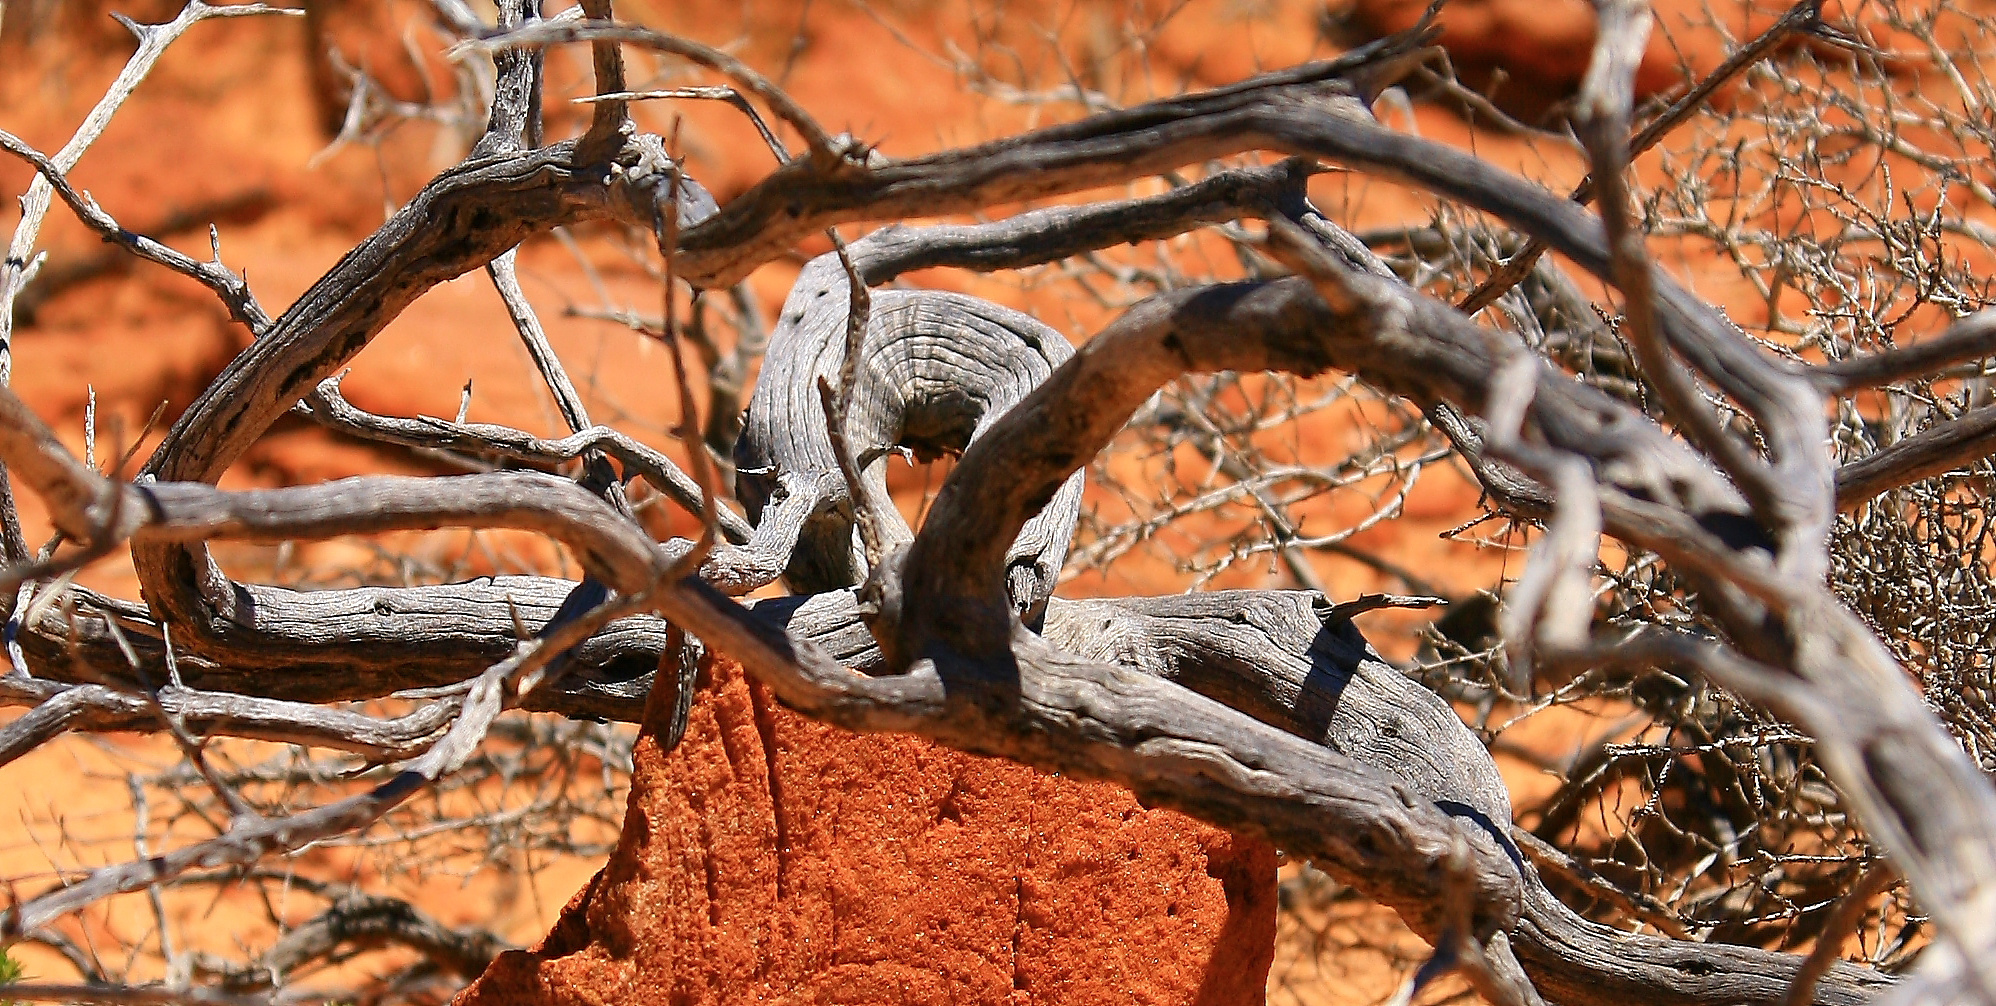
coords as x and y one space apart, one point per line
233 127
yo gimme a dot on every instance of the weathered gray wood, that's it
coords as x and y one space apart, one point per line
96 708
1105 149
463 219
1277 656
935 370
1247 709
1283 301
326 405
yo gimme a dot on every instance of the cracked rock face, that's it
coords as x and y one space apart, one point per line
770 859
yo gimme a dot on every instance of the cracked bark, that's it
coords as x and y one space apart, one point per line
1252 711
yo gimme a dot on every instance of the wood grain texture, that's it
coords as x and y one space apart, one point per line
1259 711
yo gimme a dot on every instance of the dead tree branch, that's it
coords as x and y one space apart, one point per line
1261 711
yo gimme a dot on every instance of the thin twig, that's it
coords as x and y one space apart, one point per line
1850 910
720 93
689 424
1804 17
603 31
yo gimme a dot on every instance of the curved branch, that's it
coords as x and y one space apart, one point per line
804 198
360 922
948 607
1936 450
1311 111
974 678
463 219
97 709
232 289
1062 713
1037 237
609 118
935 370
1417 347
326 405
1971 338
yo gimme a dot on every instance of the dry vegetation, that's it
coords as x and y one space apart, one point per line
1738 684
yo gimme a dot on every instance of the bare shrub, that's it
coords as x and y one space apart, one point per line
1782 647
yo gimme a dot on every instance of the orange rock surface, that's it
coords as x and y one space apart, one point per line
772 859
767 858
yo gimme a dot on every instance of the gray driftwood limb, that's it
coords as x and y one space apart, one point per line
1255 710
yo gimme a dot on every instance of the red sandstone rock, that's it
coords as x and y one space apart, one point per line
771 859
1539 48
1530 55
